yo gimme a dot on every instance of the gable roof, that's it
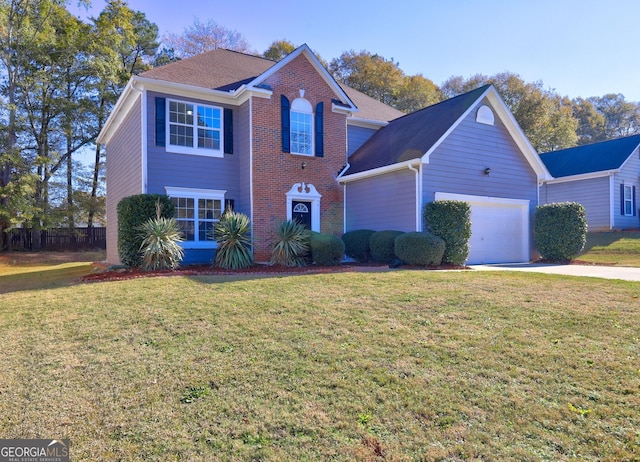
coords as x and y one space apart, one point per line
370 108
591 158
411 136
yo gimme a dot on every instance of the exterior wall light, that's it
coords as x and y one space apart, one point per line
487 171
304 165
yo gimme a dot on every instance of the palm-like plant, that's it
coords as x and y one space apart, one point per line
292 244
232 233
160 246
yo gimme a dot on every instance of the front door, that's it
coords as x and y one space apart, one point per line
301 212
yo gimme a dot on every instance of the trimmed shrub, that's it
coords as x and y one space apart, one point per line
451 222
560 230
382 245
232 233
133 212
326 249
356 244
161 247
291 246
419 248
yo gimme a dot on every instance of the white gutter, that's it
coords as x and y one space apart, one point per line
380 170
582 176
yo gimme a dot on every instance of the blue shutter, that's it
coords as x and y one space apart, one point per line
161 109
285 123
319 130
633 205
622 199
228 131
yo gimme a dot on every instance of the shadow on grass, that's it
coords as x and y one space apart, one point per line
57 276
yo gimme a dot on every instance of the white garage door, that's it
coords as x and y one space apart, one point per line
499 228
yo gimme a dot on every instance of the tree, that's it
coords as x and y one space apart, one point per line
371 74
591 123
416 92
278 50
201 37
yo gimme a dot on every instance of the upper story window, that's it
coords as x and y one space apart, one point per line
194 128
628 200
301 127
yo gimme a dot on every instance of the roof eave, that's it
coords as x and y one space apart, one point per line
380 170
581 176
366 123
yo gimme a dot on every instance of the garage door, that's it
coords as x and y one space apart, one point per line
499 228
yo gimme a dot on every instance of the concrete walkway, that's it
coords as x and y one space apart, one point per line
594 271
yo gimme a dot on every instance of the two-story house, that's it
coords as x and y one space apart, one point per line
286 141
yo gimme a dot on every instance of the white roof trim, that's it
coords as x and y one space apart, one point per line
582 176
379 170
366 123
124 104
510 124
304 49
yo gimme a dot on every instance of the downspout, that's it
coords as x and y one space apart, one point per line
418 193
344 197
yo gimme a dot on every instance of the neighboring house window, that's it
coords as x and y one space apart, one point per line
194 128
197 211
628 200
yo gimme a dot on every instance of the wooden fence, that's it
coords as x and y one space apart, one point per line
59 239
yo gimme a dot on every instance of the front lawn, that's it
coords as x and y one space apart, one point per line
614 248
402 365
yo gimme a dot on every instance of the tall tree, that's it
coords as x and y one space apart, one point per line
591 123
205 36
416 92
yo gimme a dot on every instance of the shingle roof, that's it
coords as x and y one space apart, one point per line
228 70
590 158
370 108
218 69
411 136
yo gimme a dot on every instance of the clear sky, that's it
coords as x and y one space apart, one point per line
576 47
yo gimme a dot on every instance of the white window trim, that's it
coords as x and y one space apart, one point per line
305 193
302 106
194 193
195 150
625 199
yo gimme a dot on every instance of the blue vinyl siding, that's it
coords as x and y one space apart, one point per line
383 202
458 164
201 172
124 167
356 137
593 194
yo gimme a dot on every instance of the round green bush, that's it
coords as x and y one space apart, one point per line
419 248
133 212
382 245
560 230
326 249
356 244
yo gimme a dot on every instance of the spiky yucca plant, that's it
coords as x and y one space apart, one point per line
291 245
160 246
232 233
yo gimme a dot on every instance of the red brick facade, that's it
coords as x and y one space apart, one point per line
275 172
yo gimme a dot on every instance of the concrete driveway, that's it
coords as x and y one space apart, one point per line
594 271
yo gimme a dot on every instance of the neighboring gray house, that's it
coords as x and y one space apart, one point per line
603 177
467 148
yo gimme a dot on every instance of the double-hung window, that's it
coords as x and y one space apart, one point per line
194 128
197 211
628 200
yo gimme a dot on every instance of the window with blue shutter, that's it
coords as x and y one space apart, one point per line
228 131
285 123
161 106
319 130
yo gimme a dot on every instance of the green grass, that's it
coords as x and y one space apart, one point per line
403 365
614 248
33 270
